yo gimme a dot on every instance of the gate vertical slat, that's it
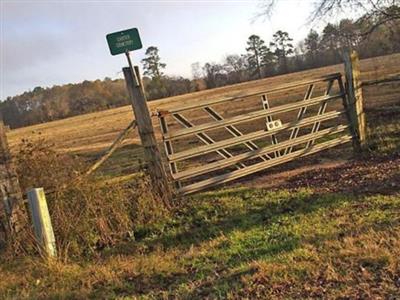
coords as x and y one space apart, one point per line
295 131
169 149
345 103
274 139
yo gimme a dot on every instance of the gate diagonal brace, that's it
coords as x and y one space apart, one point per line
321 111
269 120
253 156
302 111
234 131
205 138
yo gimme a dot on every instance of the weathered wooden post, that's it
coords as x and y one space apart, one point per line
355 100
146 132
10 192
41 222
122 42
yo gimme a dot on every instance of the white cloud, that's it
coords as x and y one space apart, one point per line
47 42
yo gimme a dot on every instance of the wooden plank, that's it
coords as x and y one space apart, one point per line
247 117
255 153
146 132
201 185
202 104
390 79
251 136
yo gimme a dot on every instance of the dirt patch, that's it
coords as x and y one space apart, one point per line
280 178
372 175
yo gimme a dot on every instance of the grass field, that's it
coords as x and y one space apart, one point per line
238 243
91 133
325 227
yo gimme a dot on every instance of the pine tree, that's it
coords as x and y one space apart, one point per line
258 55
152 64
283 48
312 48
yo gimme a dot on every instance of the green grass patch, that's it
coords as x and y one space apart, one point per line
237 243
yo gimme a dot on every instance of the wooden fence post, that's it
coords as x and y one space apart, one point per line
41 221
11 214
355 99
146 132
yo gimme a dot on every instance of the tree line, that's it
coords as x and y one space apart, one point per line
260 59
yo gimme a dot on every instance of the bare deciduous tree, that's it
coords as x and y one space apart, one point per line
196 70
375 12
236 66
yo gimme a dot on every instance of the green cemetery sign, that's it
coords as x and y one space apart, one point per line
124 41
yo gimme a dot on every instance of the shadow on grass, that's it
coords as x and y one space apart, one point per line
199 228
212 273
259 228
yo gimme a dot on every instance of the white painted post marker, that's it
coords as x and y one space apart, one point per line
41 221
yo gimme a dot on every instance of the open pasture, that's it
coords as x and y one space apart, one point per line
316 228
90 134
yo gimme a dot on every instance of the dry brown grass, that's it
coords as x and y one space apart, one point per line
230 243
88 135
88 215
95 131
234 244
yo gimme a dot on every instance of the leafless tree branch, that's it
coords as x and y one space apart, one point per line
375 11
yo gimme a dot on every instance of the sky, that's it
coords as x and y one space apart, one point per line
46 43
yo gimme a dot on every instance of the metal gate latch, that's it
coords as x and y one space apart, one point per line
274 125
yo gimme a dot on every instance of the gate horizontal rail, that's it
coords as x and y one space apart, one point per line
255 153
251 136
249 116
263 165
245 148
205 103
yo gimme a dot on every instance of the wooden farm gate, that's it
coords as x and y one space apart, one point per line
245 134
